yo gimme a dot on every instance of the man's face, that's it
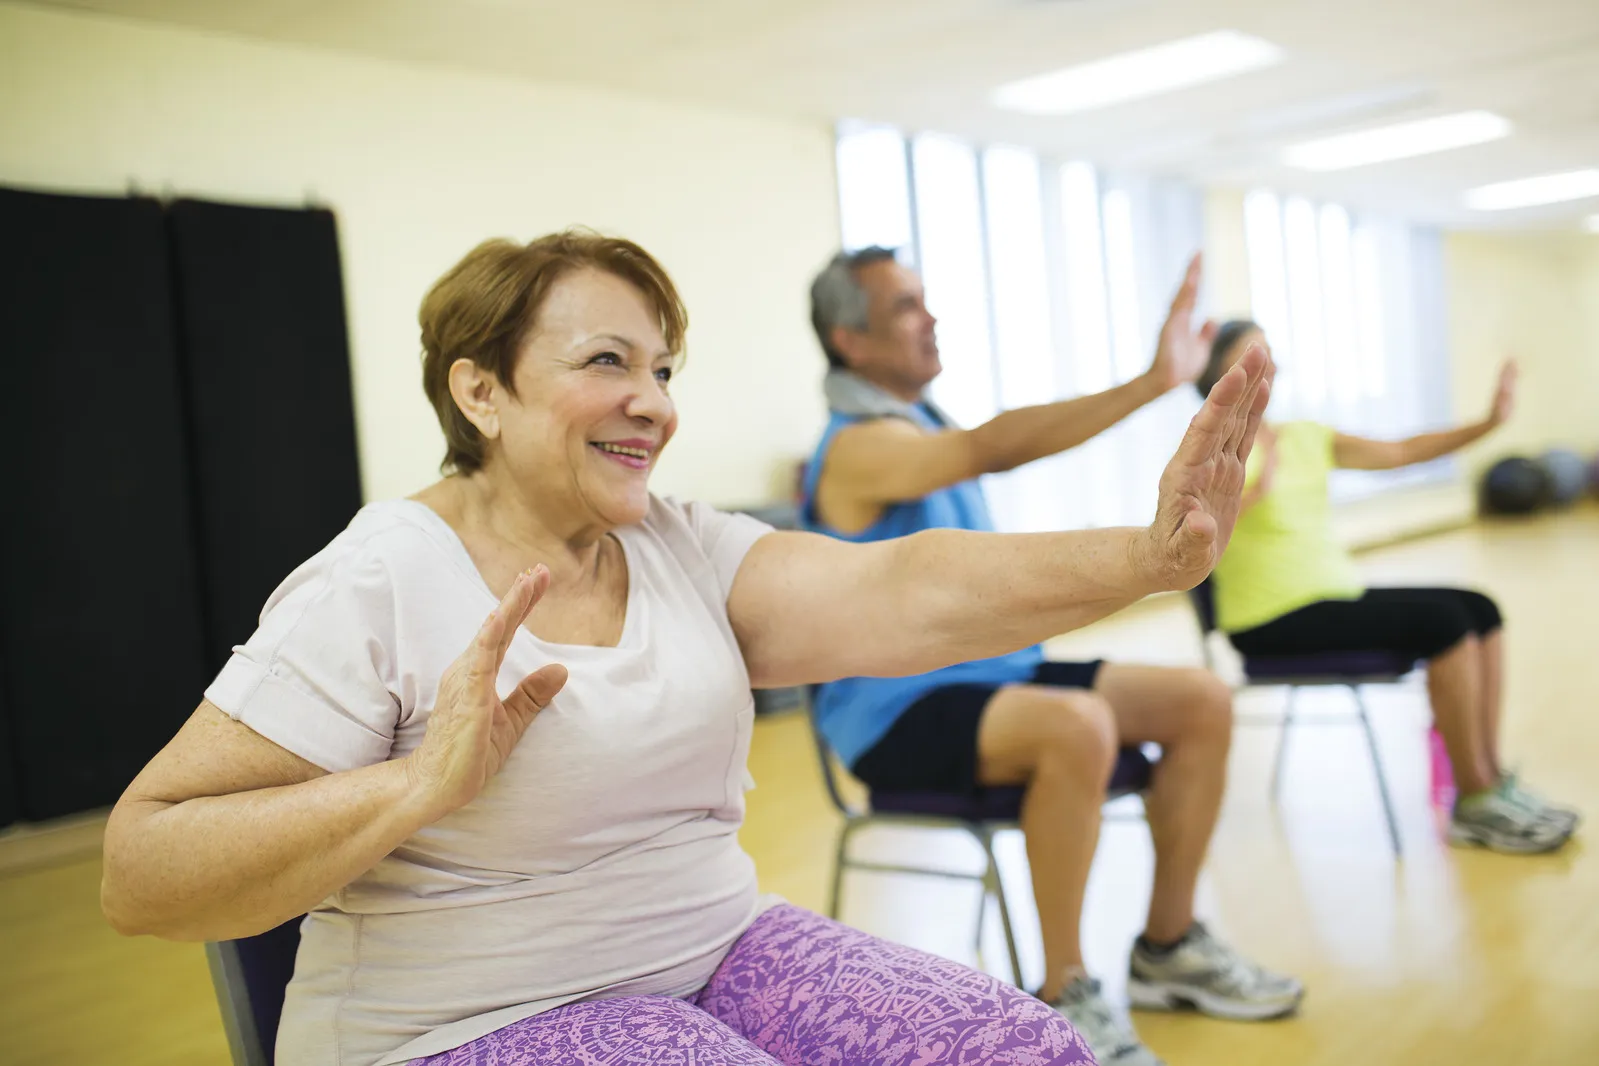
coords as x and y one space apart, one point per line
899 347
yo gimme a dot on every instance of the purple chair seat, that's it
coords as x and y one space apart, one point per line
1132 774
1330 667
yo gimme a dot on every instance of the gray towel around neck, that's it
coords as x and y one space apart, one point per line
850 394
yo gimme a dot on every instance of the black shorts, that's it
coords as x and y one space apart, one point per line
1420 622
932 747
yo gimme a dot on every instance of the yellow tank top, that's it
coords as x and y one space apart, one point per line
1283 555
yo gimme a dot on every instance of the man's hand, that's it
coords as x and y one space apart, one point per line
1182 351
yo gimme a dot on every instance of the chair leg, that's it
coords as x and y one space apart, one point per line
1376 765
1282 744
834 895
992 883
982 913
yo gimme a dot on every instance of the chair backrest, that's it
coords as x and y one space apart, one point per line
1203 597
250 976
825 756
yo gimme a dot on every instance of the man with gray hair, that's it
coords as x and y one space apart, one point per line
890 464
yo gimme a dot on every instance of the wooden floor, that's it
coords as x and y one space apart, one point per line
1458 958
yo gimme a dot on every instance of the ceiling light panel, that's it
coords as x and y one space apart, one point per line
1535 192
1398 141
1143 73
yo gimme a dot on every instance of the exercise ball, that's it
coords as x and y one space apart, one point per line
1568 475
1514 486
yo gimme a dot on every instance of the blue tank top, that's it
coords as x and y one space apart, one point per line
854 713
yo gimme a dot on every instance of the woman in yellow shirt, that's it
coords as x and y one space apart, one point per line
1286 587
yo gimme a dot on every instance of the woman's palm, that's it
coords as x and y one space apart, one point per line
1202 487
472 730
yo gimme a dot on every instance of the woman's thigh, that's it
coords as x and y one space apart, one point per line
807 990
626 1031
1419 622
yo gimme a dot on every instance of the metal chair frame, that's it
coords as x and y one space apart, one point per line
982 831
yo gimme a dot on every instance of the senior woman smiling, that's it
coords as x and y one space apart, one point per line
515 839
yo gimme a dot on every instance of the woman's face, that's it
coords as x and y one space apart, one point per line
591 411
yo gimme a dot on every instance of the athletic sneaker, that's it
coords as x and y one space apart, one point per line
1502 822
1200 971
1111 1039
1510 786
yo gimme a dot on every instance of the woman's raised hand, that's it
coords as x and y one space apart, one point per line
471 730
1201 488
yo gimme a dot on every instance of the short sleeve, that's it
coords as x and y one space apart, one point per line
318 676
726 538
1326 443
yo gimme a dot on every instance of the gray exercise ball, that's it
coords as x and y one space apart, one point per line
1568 475
1515 486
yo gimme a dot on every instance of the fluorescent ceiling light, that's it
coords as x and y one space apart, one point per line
1135 75
1532 192
1399 141
1591 224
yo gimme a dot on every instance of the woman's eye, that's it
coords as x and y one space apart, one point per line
606 359
663 375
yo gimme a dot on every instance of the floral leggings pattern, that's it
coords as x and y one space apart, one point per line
800 990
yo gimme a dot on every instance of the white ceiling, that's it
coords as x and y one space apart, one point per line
930 64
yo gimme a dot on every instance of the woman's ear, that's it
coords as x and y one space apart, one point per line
473 390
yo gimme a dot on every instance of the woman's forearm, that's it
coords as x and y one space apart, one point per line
973 595
220 867
1426 446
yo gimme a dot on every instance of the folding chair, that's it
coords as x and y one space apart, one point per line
1352 670
250 976
980 816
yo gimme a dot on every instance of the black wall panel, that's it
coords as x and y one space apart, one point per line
10 810
261 315
100 630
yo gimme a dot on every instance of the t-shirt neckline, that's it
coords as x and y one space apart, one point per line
444 534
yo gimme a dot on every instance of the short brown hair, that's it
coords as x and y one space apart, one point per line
486 304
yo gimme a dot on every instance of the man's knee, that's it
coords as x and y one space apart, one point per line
1076 726
1211 706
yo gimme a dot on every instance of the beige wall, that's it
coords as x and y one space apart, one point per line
1535 295
421 163
1226 254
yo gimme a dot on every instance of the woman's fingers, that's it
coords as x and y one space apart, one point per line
1213 428
1257 413
534 694
484 661
528 588
1253 369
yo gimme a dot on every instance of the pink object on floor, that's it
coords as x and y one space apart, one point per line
1442 775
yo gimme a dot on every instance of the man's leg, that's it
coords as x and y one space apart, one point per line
1189 713
1061 744
1177 961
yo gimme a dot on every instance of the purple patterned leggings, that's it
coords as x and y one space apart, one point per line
797 989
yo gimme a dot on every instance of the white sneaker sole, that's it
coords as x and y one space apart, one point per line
1147 995
1462 836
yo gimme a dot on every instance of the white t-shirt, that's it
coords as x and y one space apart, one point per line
602 860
